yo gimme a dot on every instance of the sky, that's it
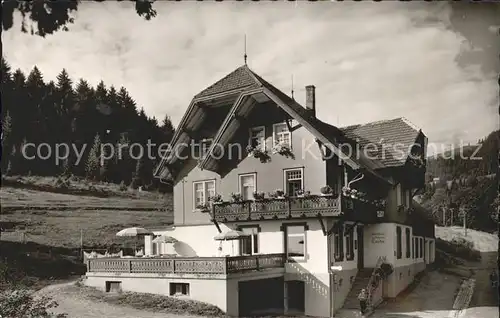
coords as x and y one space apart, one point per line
432 63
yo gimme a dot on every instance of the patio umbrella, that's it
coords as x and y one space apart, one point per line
134 232
165 239
232 235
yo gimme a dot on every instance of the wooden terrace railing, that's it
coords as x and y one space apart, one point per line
269 209
186 265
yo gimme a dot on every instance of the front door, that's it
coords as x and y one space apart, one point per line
360 248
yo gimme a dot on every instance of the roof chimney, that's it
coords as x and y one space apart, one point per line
311 99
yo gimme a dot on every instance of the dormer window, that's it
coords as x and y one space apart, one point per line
282 135
258 137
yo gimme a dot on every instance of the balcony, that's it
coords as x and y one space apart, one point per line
275 209
186 265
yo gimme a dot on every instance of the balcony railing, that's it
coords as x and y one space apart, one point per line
186 265
269 209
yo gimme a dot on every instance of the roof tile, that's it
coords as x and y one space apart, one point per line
241 78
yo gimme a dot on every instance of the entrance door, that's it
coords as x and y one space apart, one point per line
361 250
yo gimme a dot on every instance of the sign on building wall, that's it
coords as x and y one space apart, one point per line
378 238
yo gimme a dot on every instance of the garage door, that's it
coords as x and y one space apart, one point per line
262 296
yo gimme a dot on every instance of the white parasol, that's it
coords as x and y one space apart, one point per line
232 235
134 232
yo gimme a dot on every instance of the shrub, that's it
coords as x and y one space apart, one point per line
123 186
22 303
62 183
459 247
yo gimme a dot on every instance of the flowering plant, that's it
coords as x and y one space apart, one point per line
202 207
258 153
302 193
380 203
217 198
278 193
353 193
236 197
326 190
258 195
283 149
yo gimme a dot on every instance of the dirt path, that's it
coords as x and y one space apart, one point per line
76 306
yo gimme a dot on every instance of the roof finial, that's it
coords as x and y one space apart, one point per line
245 56
292 88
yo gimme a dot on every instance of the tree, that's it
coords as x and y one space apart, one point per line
48 17
94 159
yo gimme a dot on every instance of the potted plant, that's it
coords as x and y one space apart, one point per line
202 207
277 194
258 195
236 197
326 190
380 204
216 199
258 153
280 194
283 150
302 194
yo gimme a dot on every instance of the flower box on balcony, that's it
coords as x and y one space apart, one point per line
202 208
326 191
258 196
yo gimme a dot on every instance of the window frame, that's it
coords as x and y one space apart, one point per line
349 238
205 191
399 243
338 243
183 286
284 229
240 185
254 238
250 132
285 179
407 241
289 132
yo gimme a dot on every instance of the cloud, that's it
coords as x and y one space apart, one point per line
368 61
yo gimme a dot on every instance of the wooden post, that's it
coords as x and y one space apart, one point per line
444 216
465 223
81 243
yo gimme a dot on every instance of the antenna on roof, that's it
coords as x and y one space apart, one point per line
245 56
292 88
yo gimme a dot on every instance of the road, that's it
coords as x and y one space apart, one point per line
484 295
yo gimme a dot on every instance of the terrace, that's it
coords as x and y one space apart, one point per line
186 265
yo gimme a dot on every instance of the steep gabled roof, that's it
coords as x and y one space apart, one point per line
240 79
390 133
243 80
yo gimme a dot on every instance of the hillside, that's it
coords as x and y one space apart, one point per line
45 220
57 219
471 173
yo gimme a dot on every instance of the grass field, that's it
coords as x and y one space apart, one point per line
58 219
